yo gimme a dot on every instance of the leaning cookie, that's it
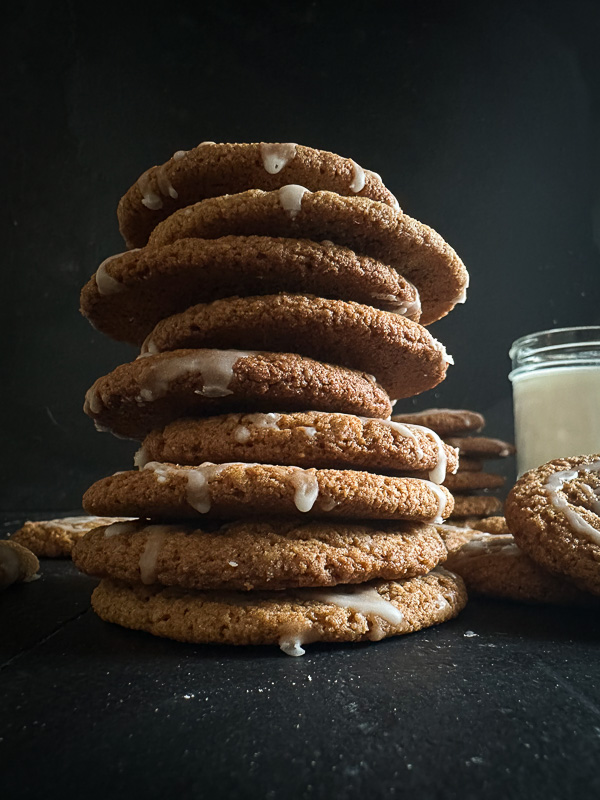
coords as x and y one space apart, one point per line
466 505
166 491
259 554
290 619
481 447
17 564
212 169
54 538
401 354
303 439
369 228
490 525
553 513
492 565
444 421
130 292
150 392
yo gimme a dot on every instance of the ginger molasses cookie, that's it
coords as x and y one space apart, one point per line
553 513
212 169
469 481
54 538
165 491
467 505
367 612
444 421
403 355
132 291
492 565
151 392
490 525
482 447
262 554
367 227
470 464
17 564
303 439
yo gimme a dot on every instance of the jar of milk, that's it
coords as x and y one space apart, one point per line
556 394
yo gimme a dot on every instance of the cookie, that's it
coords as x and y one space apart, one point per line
466 505
369 228
469 481
444 421
367 612
132 291
309 439
212 169
492 565
17 564
470 464
54 538
151 392
482 447
266 554
553 513
403 355
491 525
166 491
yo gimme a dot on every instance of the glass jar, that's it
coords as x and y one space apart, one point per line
556 394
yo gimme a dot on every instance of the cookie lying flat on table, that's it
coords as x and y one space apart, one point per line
166 491
304 439
132 291
402 355
17 564
475 506
367 227
482 447
212 169
266 554
54 538
444 421
492 565
553 513
151 392
367 612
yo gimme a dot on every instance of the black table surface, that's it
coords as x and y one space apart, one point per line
503 701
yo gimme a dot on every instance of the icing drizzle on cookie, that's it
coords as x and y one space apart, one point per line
150 199
276 156
149 559
358 177
364 600
290 198
552 488
106 283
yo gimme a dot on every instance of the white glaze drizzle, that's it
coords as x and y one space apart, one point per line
149 559
485 543
552 488
165 186
307 488
438 473
442 502
105 283
276 156
93 401
117 528
358 177
373 174
215 367
150 199
290 198
198 480
179 154
403 308
361 599
292 645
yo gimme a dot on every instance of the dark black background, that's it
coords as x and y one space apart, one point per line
482 117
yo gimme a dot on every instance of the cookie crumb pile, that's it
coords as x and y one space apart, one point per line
279 296
472 487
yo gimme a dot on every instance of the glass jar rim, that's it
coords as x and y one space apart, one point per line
557 347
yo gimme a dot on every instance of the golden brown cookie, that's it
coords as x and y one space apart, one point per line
212 169
492 565
367 227
369 611
303 439
491 525
151 392
469 481
17 564
470 464
444 421
54 538
262 554
166 491
402 355
466 505
554 514
482 447
132 291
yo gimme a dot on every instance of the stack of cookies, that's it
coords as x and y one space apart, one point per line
474 488
279 298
